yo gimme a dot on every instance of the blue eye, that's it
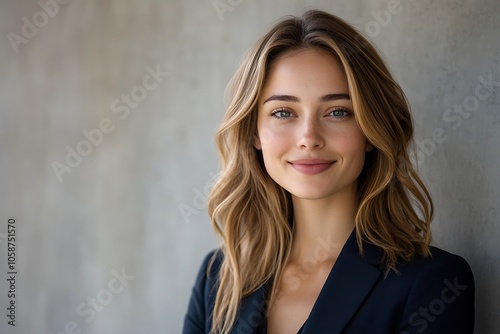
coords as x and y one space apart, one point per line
339 113
282 113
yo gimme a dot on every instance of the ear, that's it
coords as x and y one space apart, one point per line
369 147
256 142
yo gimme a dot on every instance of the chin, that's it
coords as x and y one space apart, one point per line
321 191
311 194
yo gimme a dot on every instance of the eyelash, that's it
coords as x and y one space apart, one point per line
275 112
347 112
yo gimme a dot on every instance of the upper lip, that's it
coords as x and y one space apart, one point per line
310 161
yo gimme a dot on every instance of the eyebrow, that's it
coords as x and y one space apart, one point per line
324 98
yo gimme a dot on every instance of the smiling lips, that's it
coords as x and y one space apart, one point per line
311 166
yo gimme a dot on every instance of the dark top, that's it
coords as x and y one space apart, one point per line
262 329
431 295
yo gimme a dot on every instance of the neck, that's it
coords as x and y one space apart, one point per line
322 226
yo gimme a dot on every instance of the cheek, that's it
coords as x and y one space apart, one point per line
357 144
353 144
272 140
358 150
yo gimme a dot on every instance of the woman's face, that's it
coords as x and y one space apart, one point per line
310 141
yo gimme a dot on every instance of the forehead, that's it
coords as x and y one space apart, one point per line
305 71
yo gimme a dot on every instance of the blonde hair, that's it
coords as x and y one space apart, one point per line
254 216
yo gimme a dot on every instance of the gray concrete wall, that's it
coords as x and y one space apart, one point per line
116 211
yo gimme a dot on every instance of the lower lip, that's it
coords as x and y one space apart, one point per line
312 169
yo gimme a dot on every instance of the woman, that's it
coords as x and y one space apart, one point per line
325 224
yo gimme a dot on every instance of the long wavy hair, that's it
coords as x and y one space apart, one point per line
253 215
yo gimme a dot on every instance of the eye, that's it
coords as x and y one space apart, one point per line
340 113
281 113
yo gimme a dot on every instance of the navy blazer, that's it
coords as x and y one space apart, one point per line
428 295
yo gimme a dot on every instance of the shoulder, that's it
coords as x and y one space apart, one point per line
440 293
434 275
440 264
197 319
208 273
210 265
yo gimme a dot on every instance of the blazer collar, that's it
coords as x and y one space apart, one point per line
349 282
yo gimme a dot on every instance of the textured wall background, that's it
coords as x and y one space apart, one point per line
78 66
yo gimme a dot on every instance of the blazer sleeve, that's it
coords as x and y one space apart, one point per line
195 320
442 299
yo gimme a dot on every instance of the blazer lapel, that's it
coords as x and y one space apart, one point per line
252 311
349 282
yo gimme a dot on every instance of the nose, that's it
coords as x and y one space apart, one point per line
311 134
